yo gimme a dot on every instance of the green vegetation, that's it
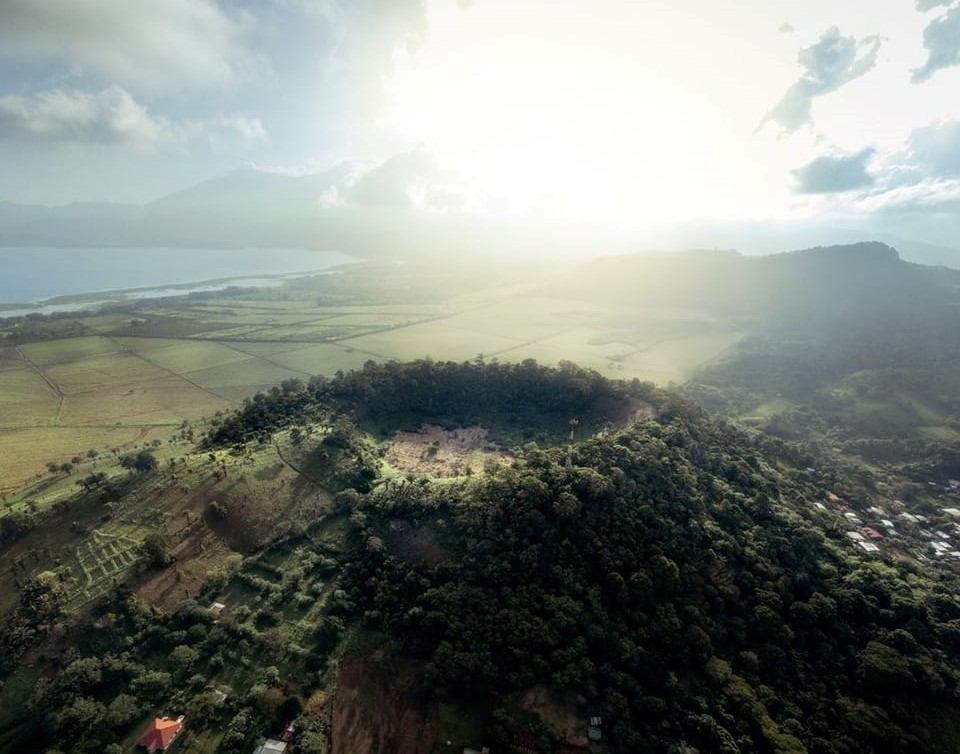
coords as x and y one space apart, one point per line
665 575
134 372
492 551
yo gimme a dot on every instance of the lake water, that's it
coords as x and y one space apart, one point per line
32 275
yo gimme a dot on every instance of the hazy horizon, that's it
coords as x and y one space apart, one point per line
637 122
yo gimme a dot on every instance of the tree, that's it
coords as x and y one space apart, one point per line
92 481
155 550
183 656
122 710
141 462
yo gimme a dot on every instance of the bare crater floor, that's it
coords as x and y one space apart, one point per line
443 452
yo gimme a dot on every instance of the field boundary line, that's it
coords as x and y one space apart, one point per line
178 375
54 387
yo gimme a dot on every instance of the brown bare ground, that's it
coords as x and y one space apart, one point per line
443 452
625 413
380 707
559 713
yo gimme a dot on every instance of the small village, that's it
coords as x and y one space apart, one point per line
891 529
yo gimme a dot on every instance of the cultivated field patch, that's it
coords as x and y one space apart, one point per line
433 339
116 369
39 412
21 385
182 356
27 450
166 401
102 560
246 372
321 359
68 350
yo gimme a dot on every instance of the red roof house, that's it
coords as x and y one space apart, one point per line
160 734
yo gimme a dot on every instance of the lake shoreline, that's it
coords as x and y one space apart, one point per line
90 298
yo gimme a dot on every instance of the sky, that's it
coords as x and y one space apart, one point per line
612 113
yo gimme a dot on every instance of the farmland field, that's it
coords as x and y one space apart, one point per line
134 376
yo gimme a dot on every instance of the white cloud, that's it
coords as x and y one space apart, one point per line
835 173
941 38
936 148
108 116
160 45
831 62
928 195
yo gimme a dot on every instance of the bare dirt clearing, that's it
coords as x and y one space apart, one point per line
443 452
381 706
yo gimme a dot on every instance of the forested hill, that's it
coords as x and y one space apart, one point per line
662 571
822 283
672 579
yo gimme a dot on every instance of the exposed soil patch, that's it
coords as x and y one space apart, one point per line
558 712
625 413
381 707
443 452
414 544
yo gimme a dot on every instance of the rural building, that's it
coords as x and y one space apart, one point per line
270 746
869 546
872 533
160 734
855 535
217 607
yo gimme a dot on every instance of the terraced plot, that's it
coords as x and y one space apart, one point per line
102 558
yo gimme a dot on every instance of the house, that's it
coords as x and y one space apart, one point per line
869 546
872 533
594 733
160 734
955 512
217 607
271 746
856 536
833 498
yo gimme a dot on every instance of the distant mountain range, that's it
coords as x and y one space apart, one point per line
332 210
821 286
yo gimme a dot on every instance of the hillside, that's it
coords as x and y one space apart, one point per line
692 586
816 286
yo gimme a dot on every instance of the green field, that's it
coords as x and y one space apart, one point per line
135 376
